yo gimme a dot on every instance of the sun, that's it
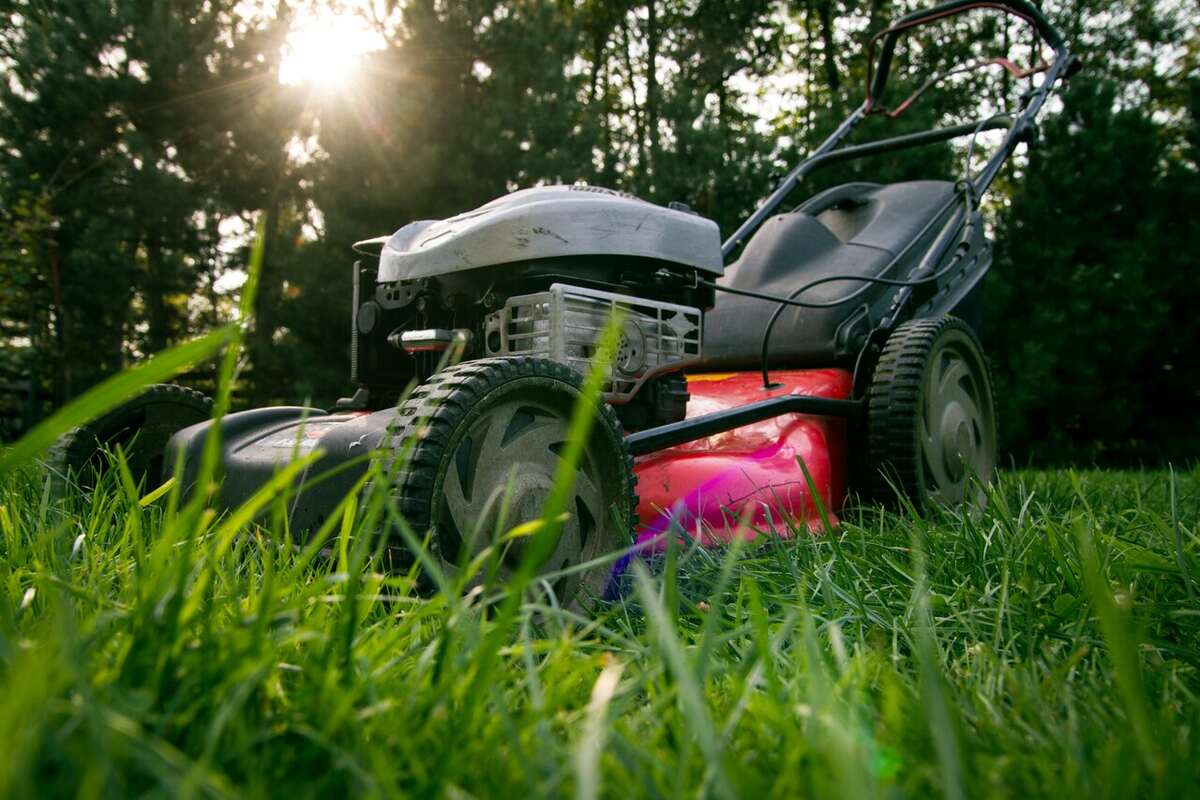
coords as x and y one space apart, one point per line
324 50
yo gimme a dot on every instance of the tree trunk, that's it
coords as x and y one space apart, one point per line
874 12
269 293
652 36
599 43
608 169
598 95
639 123
810 83
62 368
158 335
260 341
723 126
825 13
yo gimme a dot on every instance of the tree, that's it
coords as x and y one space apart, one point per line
1087 326
100 117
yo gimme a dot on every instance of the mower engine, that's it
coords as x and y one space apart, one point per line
540 273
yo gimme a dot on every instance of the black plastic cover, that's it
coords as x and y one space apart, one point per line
255 444
853 229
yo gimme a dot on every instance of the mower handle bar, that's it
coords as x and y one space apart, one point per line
877 76
1063 66
827 155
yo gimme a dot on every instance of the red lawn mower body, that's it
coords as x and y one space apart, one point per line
749 479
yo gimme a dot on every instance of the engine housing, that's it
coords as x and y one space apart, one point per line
539 272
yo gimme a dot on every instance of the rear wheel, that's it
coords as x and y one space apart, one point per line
931 415
140 426
485 440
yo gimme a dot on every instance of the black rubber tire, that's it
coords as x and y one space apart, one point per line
432 426
901 402
153 417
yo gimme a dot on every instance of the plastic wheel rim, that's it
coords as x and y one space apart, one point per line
500 473
956 425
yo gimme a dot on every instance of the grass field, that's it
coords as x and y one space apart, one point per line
1047 647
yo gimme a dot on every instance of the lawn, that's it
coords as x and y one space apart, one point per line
1049 646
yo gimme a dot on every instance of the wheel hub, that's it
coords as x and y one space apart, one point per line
501 476
527 493
956 434
958 442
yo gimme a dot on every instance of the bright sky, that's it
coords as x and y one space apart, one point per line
325 47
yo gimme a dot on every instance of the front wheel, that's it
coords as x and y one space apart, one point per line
485 440
931 430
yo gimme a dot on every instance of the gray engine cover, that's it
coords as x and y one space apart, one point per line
551 222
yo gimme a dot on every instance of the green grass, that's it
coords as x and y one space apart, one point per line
1048 646
150 646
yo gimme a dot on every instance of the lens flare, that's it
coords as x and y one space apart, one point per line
325 50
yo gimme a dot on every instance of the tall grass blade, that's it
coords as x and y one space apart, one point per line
687 688
591 744
1122 647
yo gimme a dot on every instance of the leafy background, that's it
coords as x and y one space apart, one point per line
143 141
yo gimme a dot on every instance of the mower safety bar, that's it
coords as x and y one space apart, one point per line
664 436
877 76
1063 66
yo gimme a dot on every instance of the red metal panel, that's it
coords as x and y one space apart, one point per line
750 473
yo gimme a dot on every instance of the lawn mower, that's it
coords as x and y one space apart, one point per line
823 349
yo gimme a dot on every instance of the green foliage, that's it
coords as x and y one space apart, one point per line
1102 366
98 113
